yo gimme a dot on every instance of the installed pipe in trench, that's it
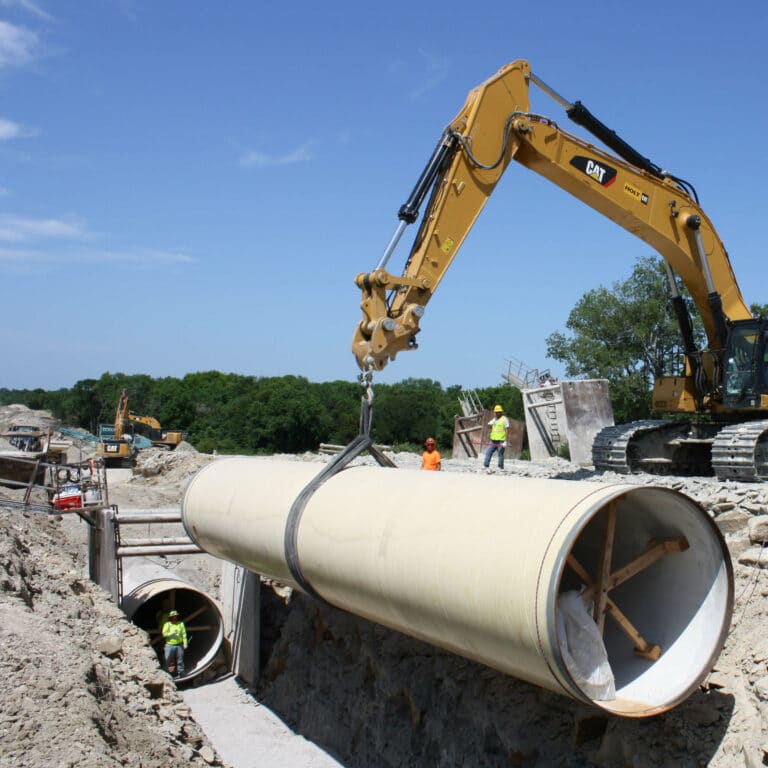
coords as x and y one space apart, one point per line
149 590
474 564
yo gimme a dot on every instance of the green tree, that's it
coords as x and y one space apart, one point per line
409 412
284 416
508 397
80 406
245 414
627 334
340 417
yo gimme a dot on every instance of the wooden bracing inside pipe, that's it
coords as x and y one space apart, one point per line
598 588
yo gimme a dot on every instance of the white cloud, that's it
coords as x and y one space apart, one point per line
29 6
136 256
18 229
40 245
35 258
253 159
12 130
17 45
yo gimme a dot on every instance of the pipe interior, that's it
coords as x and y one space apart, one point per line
200 614
682 602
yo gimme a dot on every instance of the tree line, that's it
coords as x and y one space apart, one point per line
232 413
626 333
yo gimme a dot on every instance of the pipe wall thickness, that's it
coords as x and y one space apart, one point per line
475 564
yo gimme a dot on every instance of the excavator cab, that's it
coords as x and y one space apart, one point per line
746 364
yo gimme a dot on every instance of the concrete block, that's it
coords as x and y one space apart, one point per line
567 413
240 599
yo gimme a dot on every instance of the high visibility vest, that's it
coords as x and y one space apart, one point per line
175 633
499 428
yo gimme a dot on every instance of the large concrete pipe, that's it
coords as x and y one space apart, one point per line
476 564
149 591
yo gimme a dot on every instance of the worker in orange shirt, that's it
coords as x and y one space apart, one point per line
431 458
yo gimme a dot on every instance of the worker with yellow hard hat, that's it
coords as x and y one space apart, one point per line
175 637
499 425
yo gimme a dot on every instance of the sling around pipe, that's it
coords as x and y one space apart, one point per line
475 564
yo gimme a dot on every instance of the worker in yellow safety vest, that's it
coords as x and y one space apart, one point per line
175 637
499 425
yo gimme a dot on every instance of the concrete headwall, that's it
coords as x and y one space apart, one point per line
567 413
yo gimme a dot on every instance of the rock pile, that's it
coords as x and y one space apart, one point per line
20 415
79 684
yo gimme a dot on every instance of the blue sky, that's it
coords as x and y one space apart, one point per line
188 186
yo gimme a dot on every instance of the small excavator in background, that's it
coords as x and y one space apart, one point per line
723 389
115 448
119 443
149 427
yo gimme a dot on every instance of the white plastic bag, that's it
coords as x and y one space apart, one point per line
582 648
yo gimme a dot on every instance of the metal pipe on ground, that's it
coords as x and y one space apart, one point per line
158 541
476 565
148 592
159 549
148 517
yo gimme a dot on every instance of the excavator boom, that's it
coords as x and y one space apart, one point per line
495 127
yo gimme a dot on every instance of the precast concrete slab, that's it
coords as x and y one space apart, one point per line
566 413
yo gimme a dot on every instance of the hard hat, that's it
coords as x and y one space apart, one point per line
173 613
497 409
429 441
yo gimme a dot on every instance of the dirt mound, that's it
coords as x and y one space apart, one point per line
20 415
155 465
80 685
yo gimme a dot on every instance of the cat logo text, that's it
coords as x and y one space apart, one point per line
599 172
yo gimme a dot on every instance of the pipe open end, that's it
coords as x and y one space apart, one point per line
146 604
653 573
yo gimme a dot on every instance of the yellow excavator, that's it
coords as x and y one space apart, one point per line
119 446
724 388
116 448
149 427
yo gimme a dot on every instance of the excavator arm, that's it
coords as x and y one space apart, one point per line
121 415
494 127
147 421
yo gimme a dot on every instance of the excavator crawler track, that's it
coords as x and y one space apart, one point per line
654 446
740 452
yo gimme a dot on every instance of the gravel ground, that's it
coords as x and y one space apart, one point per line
80 685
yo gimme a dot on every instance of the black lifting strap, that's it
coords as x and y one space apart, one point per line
360 444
